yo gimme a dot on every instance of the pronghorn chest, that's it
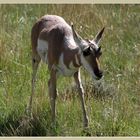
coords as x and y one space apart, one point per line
63 69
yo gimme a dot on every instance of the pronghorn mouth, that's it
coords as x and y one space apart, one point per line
98 75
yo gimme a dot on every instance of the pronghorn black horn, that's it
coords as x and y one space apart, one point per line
99 36
75 34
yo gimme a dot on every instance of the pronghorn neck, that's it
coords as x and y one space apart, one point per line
69 60
69 42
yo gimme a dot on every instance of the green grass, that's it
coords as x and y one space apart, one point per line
113 105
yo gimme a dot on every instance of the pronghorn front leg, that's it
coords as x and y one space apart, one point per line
52 93
81 94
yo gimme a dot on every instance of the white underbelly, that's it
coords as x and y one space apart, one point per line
42 49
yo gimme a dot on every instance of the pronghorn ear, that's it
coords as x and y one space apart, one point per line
87 51
99 36
76 36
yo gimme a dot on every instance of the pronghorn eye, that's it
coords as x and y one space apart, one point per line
87 51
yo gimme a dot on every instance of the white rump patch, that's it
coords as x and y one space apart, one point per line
42 49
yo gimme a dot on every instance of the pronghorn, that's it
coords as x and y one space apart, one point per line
56 43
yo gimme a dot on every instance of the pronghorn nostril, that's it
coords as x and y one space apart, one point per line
98 73
101 73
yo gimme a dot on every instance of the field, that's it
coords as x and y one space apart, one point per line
113 104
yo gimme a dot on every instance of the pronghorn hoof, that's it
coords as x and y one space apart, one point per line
86 121
85 125
86 132
28 112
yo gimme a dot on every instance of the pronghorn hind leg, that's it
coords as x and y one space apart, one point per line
81 94
52 94
35 64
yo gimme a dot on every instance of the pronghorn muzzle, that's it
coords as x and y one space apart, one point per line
98 74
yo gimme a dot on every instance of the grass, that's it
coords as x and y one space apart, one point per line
113 105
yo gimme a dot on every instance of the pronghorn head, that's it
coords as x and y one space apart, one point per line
90 53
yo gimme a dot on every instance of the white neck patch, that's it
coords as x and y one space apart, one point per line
62 68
